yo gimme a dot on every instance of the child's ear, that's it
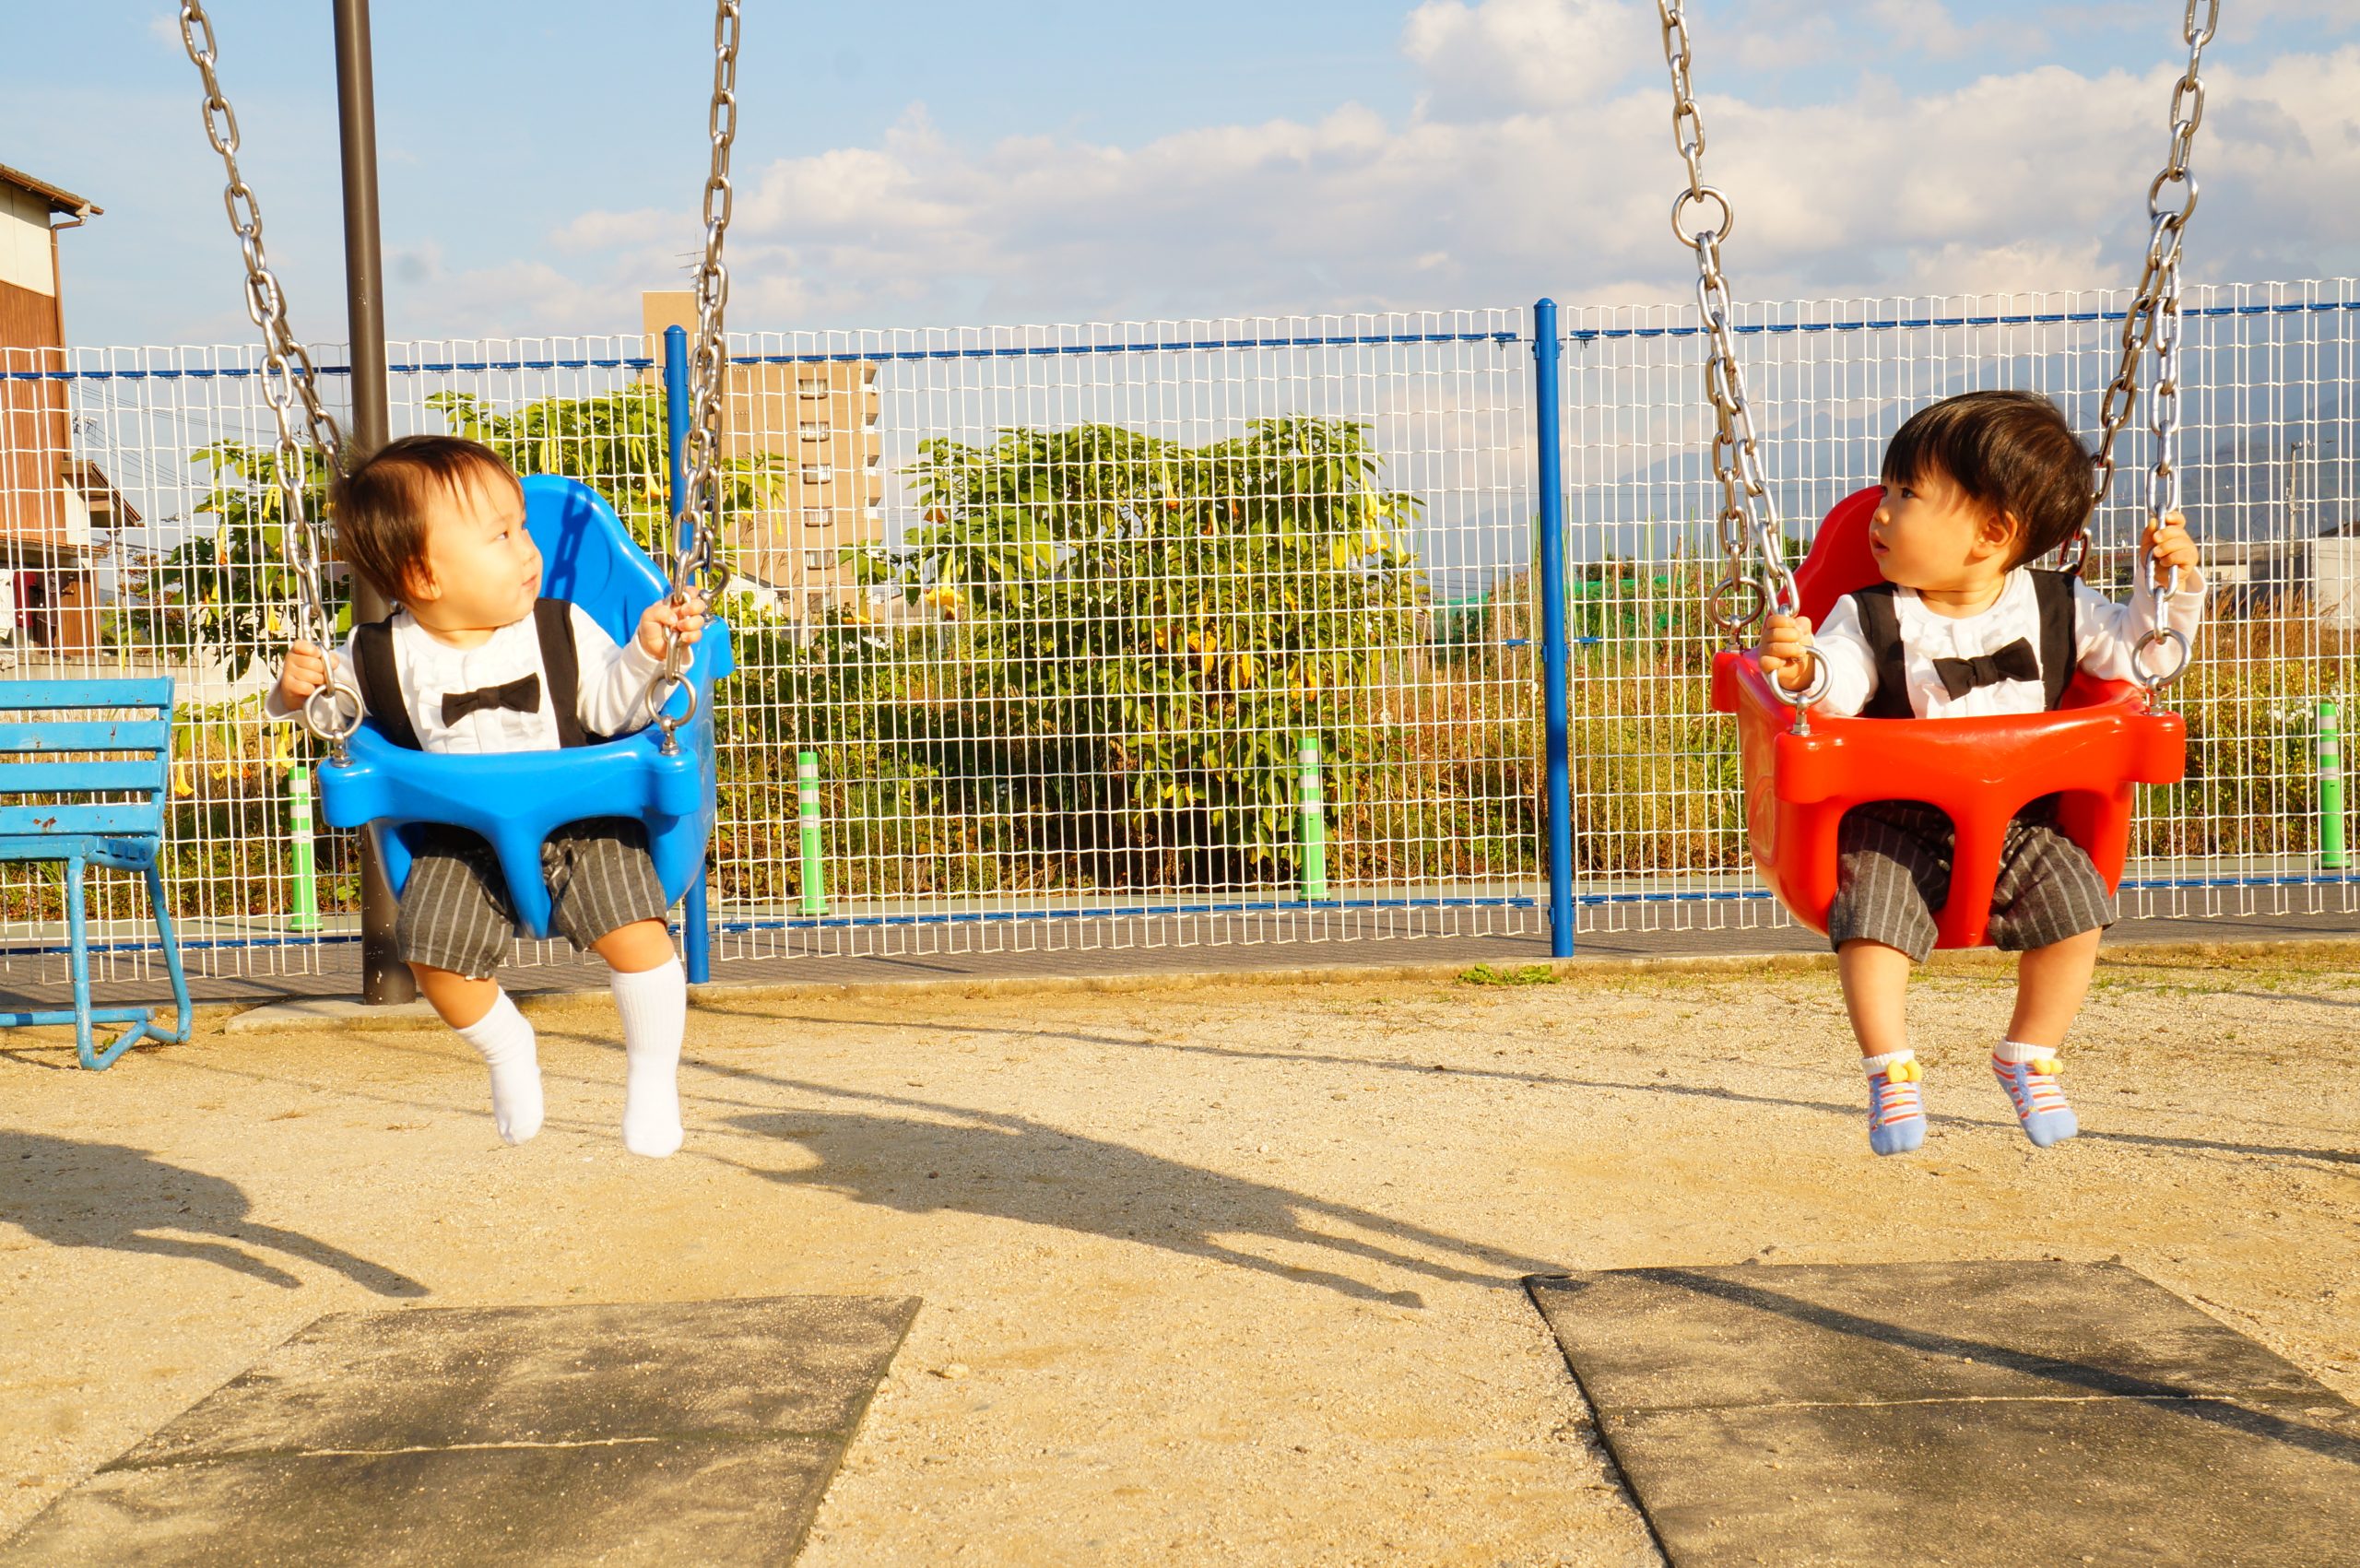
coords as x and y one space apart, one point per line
419 587
1999 534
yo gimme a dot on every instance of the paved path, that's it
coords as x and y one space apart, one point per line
1983 1415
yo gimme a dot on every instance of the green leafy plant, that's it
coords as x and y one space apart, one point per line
1145 628
219 590
617 444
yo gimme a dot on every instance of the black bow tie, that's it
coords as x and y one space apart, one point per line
2014 661
521 695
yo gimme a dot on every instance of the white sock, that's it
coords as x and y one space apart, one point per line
654 1008
2016 1051
1875 1065
506 1044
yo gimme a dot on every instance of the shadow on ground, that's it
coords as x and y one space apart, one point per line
940 1158
72 1194
1668 1086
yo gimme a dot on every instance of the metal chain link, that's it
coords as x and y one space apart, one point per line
696 529
1701 218
333 712
2156 298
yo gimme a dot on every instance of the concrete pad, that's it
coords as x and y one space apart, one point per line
329 1012
1962 1413
701 1432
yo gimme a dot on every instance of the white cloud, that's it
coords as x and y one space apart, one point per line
1527 169
1498 56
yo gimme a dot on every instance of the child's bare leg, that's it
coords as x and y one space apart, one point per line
457 999
652 998
487 1021
2050 984
637 947
1876 989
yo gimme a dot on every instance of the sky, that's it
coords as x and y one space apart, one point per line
921 163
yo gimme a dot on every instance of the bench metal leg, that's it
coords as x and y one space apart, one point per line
77 938
171 953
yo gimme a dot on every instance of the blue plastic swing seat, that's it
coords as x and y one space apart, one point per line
517 800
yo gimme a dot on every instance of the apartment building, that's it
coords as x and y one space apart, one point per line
822 420
53 507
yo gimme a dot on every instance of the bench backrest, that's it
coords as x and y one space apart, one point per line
118 735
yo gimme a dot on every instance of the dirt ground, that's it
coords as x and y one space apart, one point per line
1220 1274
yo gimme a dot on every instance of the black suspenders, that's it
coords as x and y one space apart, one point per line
381 684
1880 626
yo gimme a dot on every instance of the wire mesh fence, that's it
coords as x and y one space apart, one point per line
1186 632
2271 491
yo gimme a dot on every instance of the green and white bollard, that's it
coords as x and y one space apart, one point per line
815 874
301 863
1313 817
2332 856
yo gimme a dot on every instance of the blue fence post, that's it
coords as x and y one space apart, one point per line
696 918
1547 405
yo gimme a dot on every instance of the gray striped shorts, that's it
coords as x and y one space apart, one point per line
1893 870
456 913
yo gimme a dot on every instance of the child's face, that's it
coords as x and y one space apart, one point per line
482 569
1926 534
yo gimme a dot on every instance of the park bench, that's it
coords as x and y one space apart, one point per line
84 767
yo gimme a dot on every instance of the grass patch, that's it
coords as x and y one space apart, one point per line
1526 975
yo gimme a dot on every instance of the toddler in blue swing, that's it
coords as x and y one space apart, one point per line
476 661
1976 487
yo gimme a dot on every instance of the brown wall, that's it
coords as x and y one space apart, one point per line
32 417
816 416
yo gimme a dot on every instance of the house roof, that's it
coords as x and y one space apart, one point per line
58 200
98 492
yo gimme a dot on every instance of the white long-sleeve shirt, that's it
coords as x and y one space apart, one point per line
2105 634
613 683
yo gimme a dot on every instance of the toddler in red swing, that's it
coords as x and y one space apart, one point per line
1975 488
476 660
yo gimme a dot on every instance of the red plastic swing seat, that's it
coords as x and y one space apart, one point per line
1980 772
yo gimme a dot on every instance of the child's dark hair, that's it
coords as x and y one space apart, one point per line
380 506
2010 452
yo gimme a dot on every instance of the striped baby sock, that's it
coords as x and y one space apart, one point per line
1896 1109
2029 1075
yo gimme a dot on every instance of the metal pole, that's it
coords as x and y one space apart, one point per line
815 866
384 979
2331 742
696 915
1547 356
1311 811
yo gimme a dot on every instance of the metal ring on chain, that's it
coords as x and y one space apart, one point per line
1681 203
656 705
2074 553
1814 691
2153 680
342 698
2158 212
1757 600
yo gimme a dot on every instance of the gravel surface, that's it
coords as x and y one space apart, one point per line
1225 1273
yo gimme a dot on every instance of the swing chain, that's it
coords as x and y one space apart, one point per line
1702 218
2154 303
696 529
287 377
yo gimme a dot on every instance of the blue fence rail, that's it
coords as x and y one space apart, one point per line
1522 749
